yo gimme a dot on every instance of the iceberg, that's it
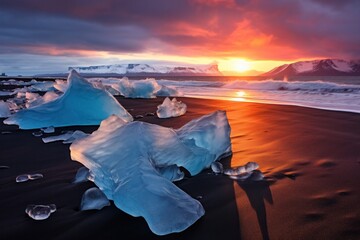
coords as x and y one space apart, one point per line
81 104
137 88
4 109
125 158
171 108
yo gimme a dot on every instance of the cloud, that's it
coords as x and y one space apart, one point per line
258 29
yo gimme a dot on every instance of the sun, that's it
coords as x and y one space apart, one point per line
240 65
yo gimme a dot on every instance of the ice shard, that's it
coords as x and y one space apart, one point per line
40 212
125 159
171 108
93 199
81 104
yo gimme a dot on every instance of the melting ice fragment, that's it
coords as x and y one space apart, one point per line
67 137
4 109
124 159
48 130
82 175
171 108
217 167
37 133
137 89
93 198
26 177
81 104
244 172
40 212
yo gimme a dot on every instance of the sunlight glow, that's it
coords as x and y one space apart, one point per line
240 65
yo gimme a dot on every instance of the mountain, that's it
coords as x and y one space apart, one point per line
323 67
149 70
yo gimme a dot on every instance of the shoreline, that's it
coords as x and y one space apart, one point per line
310 158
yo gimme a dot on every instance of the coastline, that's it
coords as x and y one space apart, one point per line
311 159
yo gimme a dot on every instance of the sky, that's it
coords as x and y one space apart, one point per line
49 36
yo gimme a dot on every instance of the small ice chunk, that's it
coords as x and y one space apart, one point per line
251 166
217 167
40 212
6 132
150 114
81 175
35 176
4 167
93 198
171 108
248 171
37 134
4 109
172 173
26 177
139 116
22 178
48 129
241 176
235 170
67 137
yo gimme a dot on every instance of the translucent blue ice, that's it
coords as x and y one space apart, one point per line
4 109
171 108
93 198
82 175
67 137
125 159
217 167
40 212
137 88
81 104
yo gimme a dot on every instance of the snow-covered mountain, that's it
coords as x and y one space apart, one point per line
323 67
146 69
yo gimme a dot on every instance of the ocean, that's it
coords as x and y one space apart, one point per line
331 93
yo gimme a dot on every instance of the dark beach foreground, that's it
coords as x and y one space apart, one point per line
310 157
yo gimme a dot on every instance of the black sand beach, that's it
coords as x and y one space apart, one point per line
310 157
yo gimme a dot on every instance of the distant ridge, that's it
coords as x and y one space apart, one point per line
323 67
149 70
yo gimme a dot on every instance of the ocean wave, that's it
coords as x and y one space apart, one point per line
316 86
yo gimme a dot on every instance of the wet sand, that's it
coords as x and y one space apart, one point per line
310 157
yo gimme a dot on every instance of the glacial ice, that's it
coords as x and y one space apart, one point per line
217 167
248 171
48 129
81 104
125 159
137 89
93 198
26 177
67 137
82 175
4 109
171 108
40 212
